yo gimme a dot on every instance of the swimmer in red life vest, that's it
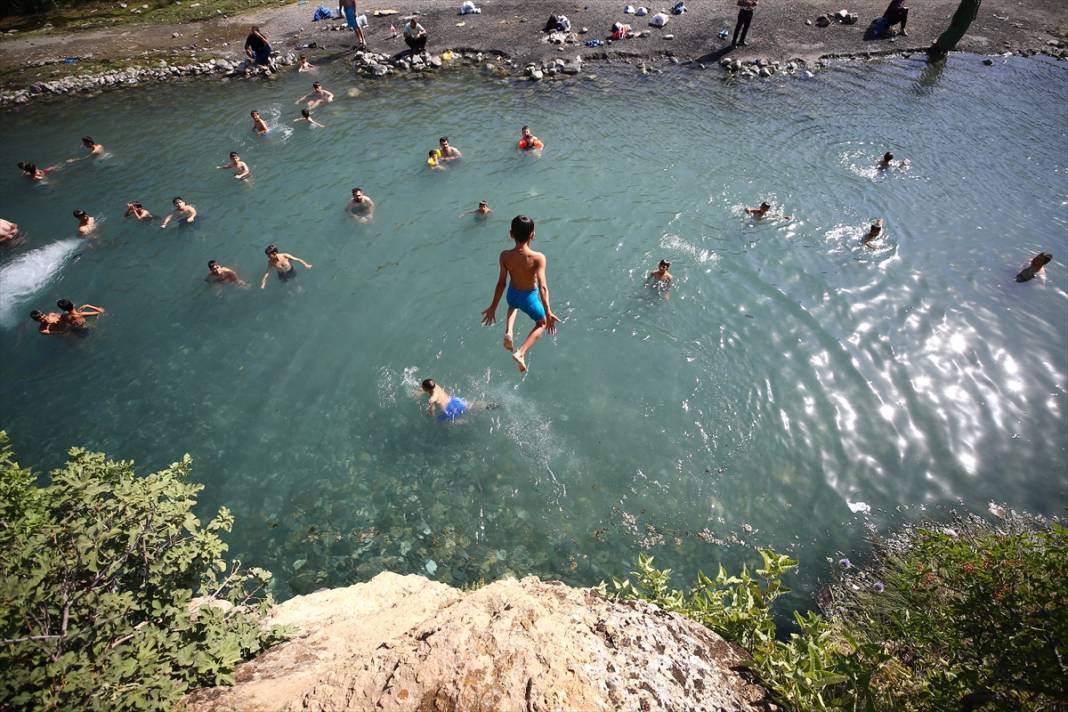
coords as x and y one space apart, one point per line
529 142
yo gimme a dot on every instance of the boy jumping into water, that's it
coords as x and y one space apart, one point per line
528 291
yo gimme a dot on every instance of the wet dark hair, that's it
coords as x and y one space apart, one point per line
88 141
36 315
271 249
253 112
303 57
429 385
138 205
483 202
525 128
664 263
888 156
357 189
1044 257
65 305
522 229
765 205
212 263
305 113
316 85
443 139
28 167
255 28
176 199
79 214
233 154
432 152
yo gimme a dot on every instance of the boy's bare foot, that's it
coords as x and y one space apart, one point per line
520 361
508 341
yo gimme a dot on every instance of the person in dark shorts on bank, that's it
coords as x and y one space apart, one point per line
348 8
415 36
257 47
745 16
283 263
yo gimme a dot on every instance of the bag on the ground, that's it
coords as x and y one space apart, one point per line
659 20
322 13
469 8
551 23
680 7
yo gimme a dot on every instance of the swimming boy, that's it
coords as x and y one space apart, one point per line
318 96
528 291
433 162
874 231
138 211
258 124
280 261
482 212
529 142
447 152
660 276
451 407
74 318
8 230
762 211
306 117
361 206
241 169
1036 268
303 65
31 171
180 208
888 159
222 275
50 323
95 149
86 222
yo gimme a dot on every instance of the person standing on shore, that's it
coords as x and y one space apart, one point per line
745 16
348 7
414 36
528 291
258 47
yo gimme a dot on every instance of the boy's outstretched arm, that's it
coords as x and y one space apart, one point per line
489 316
543 292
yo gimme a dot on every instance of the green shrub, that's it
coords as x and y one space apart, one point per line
97 572
976 616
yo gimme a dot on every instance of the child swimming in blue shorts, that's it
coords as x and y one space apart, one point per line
451 407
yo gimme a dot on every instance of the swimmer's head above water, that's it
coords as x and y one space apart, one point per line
213 266
357 194
80 214
36 315
887 157
305 113
66 305
429 385
664 265
271 250
522 230
178 202
88 142
254 114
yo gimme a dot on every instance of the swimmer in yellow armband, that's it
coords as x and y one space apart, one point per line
433 161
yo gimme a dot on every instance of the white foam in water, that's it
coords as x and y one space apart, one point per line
861 507
25 275
699 254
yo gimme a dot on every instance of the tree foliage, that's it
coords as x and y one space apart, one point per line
98 570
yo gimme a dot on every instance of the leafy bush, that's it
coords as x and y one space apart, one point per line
963 618
813 669
976 617
98 570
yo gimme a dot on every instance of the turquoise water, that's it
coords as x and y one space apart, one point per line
792 373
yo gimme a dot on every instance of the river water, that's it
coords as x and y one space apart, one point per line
796 389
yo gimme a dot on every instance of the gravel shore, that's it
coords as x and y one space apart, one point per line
780 32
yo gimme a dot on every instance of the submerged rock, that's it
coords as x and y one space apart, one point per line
405 643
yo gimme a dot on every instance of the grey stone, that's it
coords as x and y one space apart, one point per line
765 72
537 75
571 68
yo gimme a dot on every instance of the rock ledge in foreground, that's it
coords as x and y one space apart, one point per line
406 643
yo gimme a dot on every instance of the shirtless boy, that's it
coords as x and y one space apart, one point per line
73 317
361 206
95 149
306 117
258 124
31 171
762 211
280 261
660 276
438 398
482 212
447 152
318 96
138 211
303 65
888 159
874 231
434 162
529 142
86 223
222 275
180 208
528 291
240 168
50 323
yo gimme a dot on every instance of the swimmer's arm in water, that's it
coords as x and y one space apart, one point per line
167 220
489 316
90 310
263 282
543 292
329 95
303 98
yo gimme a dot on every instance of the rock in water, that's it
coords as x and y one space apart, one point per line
405 643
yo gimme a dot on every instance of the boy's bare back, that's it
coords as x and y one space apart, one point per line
523 265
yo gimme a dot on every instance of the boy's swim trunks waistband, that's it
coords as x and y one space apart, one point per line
528 302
